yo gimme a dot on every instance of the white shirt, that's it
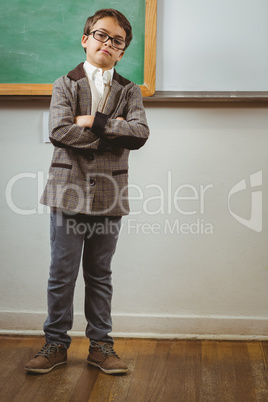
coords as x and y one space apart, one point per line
99 78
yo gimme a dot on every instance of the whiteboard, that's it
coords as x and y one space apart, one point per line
212 45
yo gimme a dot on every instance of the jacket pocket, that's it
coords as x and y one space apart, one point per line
118 172
61 165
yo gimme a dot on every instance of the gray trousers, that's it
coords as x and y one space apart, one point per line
94 239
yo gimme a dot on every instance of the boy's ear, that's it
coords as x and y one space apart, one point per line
84 41
120 56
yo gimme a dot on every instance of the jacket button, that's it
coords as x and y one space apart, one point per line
91 157
92 182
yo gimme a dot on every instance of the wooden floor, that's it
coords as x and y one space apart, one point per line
159 370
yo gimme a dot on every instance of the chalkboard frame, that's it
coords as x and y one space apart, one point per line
147 88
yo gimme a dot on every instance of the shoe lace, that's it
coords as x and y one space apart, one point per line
47 349
106 349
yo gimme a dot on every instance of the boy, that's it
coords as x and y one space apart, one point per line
96 118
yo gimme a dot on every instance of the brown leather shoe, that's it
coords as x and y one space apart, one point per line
50 356
103 356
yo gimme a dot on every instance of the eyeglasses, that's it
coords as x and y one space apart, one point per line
103 37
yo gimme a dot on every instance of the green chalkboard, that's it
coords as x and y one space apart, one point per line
41 40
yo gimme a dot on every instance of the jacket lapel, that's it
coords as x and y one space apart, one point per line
114 99
85 95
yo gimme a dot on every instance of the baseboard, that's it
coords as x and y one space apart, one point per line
149 326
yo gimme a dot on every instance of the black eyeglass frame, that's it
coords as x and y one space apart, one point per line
108 37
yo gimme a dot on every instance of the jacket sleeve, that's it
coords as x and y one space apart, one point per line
130 133
64 133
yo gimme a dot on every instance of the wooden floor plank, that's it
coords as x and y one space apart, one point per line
175 380
32 383
193 370
184 372
86 381
84 385
209 372
158 374
14 376
242 367
259 373
227 390
140 375
264 347
8 359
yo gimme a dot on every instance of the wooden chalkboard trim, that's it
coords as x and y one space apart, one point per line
209 96
26 89
148 87
177 97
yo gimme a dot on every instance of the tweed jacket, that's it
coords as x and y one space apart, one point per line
89 169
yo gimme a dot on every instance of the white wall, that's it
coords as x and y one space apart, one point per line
185 283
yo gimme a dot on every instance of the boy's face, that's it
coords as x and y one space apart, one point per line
103 55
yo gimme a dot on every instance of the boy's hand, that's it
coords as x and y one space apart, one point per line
84 121
120 118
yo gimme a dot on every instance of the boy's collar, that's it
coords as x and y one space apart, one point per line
78 73
91 72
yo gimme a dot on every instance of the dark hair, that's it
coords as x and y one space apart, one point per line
110 12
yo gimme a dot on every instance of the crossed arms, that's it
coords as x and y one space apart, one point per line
88 120
127 128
